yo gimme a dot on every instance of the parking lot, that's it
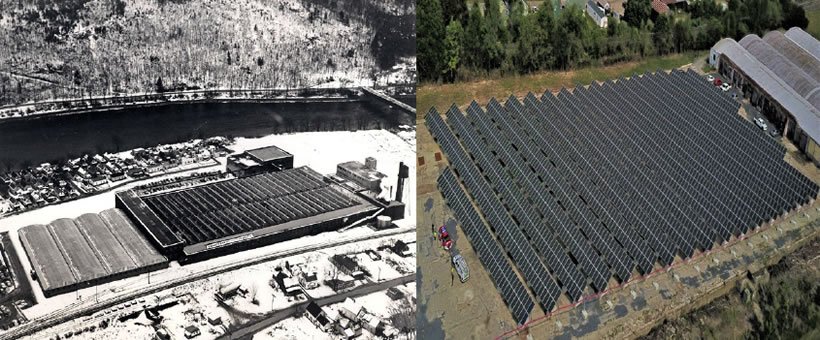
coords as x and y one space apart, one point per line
752 113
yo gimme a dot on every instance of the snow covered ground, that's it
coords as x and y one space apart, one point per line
292 329
319 150
300 327
198 302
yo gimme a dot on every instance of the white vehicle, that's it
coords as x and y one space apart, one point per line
710 78
761 124
461 268
725 87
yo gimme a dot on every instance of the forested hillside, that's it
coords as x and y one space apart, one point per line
72 48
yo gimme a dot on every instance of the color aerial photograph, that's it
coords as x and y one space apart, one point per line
618 169
226 169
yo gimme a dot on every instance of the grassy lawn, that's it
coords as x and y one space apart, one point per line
814 22
443 95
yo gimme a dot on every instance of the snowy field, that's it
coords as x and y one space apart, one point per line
320 150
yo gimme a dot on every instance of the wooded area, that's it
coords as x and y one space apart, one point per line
78 48
459 41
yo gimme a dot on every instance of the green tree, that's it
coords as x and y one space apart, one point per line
453 49
496 23
731 24
567 46
712 31
454 10
637 12
430 38
546 18
616 48
569 38
761 15
529 57
663 34
492 50
705 8
473 34
793 15
517 12
683 35
545 30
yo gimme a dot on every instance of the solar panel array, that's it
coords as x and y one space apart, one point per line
489 251
244 204
606 180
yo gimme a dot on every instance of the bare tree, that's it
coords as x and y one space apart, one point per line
253 292
332 277
403 317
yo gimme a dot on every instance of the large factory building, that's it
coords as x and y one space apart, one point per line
260 206
222 217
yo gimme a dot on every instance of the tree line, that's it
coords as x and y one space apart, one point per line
458 41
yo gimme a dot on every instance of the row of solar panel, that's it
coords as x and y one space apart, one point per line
197 224
248 189
575 282
489 252
534 271
520 251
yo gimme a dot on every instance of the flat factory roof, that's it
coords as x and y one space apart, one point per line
222 213
267 153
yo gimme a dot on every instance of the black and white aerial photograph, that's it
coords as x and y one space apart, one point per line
225 169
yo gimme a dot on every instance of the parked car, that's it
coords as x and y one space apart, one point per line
710 78
717 82
773 132
761 124
461 268
725 87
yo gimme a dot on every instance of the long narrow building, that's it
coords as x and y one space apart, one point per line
780 75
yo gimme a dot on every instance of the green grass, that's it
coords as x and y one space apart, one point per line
814 22
707 68
443 95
